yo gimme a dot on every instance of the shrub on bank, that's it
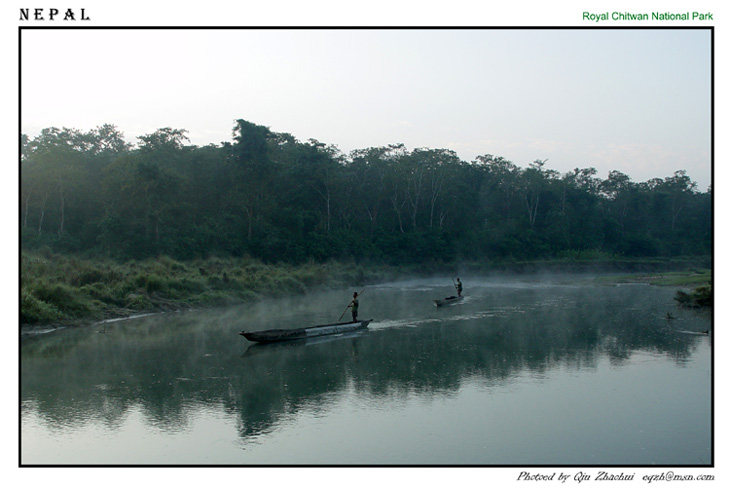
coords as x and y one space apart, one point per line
61 297
698 298
35 311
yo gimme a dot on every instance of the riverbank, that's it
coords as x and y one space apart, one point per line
67 290
692 277
698 282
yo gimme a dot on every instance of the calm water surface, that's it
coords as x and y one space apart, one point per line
525 371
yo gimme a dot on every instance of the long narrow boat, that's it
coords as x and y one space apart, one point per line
273 335
448 300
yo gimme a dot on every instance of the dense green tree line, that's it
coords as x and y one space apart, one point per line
269 196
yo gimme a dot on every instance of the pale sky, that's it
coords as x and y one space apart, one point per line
637 101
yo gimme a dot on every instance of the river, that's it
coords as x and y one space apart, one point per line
525 371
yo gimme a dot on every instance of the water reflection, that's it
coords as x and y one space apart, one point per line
169 367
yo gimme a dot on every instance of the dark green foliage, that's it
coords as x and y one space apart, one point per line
60 298
36 311
271 197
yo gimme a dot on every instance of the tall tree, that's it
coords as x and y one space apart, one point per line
254 171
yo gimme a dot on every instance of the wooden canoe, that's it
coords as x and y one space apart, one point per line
273 335
448 300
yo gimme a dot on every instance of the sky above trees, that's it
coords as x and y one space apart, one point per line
635 100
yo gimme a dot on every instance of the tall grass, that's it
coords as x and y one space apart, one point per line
62 289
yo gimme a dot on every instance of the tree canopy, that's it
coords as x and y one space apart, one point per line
272 197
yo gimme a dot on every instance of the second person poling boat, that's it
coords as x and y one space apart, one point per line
454 298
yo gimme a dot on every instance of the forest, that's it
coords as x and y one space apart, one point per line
271 197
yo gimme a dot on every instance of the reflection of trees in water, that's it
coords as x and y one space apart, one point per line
167 369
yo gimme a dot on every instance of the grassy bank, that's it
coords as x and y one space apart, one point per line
686 278
63 289
59 289
698 280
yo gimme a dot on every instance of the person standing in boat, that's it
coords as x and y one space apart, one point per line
354 305
459 287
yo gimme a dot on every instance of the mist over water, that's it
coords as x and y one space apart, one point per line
529 370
